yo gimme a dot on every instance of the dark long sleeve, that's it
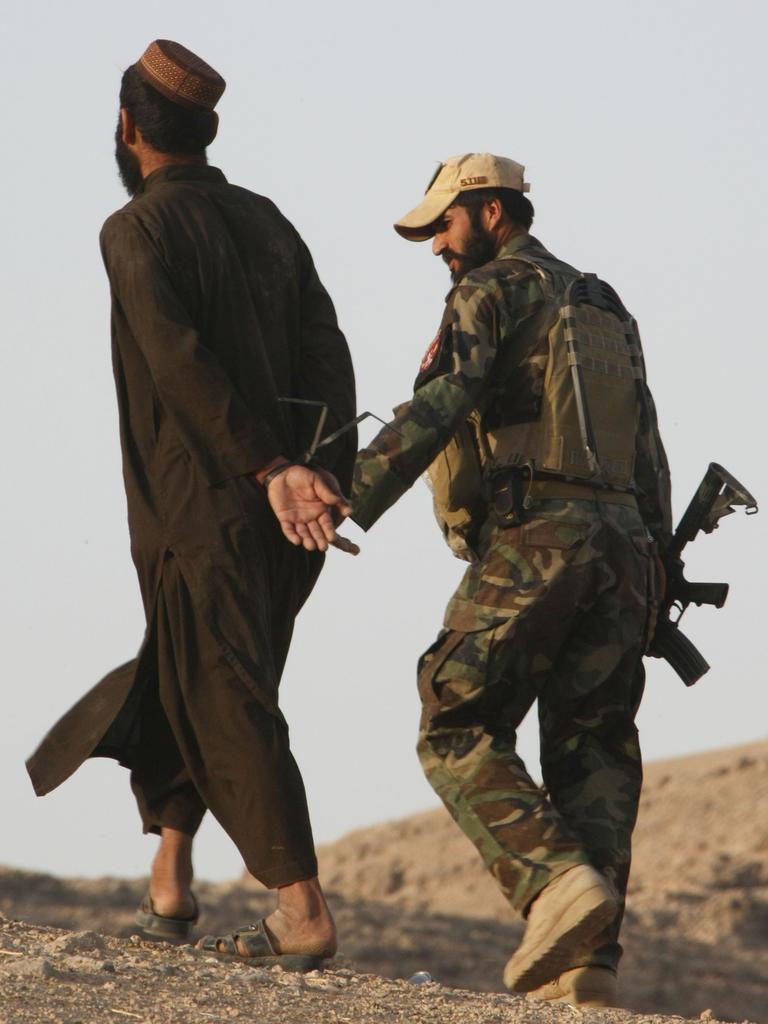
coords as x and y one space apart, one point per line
221 434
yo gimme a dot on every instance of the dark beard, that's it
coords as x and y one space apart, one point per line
479 249
127 164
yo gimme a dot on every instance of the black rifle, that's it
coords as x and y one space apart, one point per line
714 498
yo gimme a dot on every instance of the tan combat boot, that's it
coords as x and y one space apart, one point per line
580 986
564 917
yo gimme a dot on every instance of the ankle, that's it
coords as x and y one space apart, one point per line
303 901
170 881
315 936
172 864
302 921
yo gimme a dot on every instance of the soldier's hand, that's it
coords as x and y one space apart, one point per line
308 505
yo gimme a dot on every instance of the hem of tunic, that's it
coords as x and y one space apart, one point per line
283 872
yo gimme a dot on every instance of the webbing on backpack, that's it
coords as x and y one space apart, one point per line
594 378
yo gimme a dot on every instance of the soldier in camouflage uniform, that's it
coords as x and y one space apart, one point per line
557 603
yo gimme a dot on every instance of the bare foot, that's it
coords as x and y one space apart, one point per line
302 922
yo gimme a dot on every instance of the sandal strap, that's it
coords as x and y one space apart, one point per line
148 907
218 944
254 939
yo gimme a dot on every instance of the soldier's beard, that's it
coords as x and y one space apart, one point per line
479 249
128 166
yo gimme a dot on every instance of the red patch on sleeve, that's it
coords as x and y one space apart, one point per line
429 355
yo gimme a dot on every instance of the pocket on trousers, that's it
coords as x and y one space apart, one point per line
430 663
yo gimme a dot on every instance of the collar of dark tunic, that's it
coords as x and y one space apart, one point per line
182 172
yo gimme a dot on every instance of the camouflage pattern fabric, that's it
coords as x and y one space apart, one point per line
497 310
451 382
556 610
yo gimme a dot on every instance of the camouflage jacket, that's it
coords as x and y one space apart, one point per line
489 310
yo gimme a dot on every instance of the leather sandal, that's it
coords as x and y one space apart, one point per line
158 926
259 949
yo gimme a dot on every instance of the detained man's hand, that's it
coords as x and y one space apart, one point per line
309 505
339 514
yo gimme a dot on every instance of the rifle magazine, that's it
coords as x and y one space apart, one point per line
675 648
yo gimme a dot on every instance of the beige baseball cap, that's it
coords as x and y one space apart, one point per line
459 174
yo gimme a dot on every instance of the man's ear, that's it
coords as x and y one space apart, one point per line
214 126
128 127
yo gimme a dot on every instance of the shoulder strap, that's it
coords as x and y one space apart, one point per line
547 284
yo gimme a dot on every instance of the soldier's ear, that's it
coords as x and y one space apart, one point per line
493 212
214 127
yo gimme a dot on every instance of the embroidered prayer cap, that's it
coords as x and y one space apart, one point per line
459 174
180 75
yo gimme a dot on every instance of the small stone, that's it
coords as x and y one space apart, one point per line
76 964
80 942
249 977
257 975
326 982
193 951
108 966
421 978
32 967
135 940
706 1015
289 979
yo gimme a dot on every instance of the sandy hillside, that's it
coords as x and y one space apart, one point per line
702 829
47 974
412 895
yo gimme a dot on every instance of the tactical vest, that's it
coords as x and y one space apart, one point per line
592 393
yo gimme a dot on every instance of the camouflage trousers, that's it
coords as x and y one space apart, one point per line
555 611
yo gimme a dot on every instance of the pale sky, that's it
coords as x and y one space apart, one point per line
642 128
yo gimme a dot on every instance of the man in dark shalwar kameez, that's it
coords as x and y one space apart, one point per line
218 316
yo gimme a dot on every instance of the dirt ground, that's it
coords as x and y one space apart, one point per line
412 896
47 974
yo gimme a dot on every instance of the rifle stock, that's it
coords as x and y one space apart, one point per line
715 497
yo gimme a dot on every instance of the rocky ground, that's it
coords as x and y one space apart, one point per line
47 974
412 896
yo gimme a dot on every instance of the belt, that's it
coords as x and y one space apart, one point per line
565 491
